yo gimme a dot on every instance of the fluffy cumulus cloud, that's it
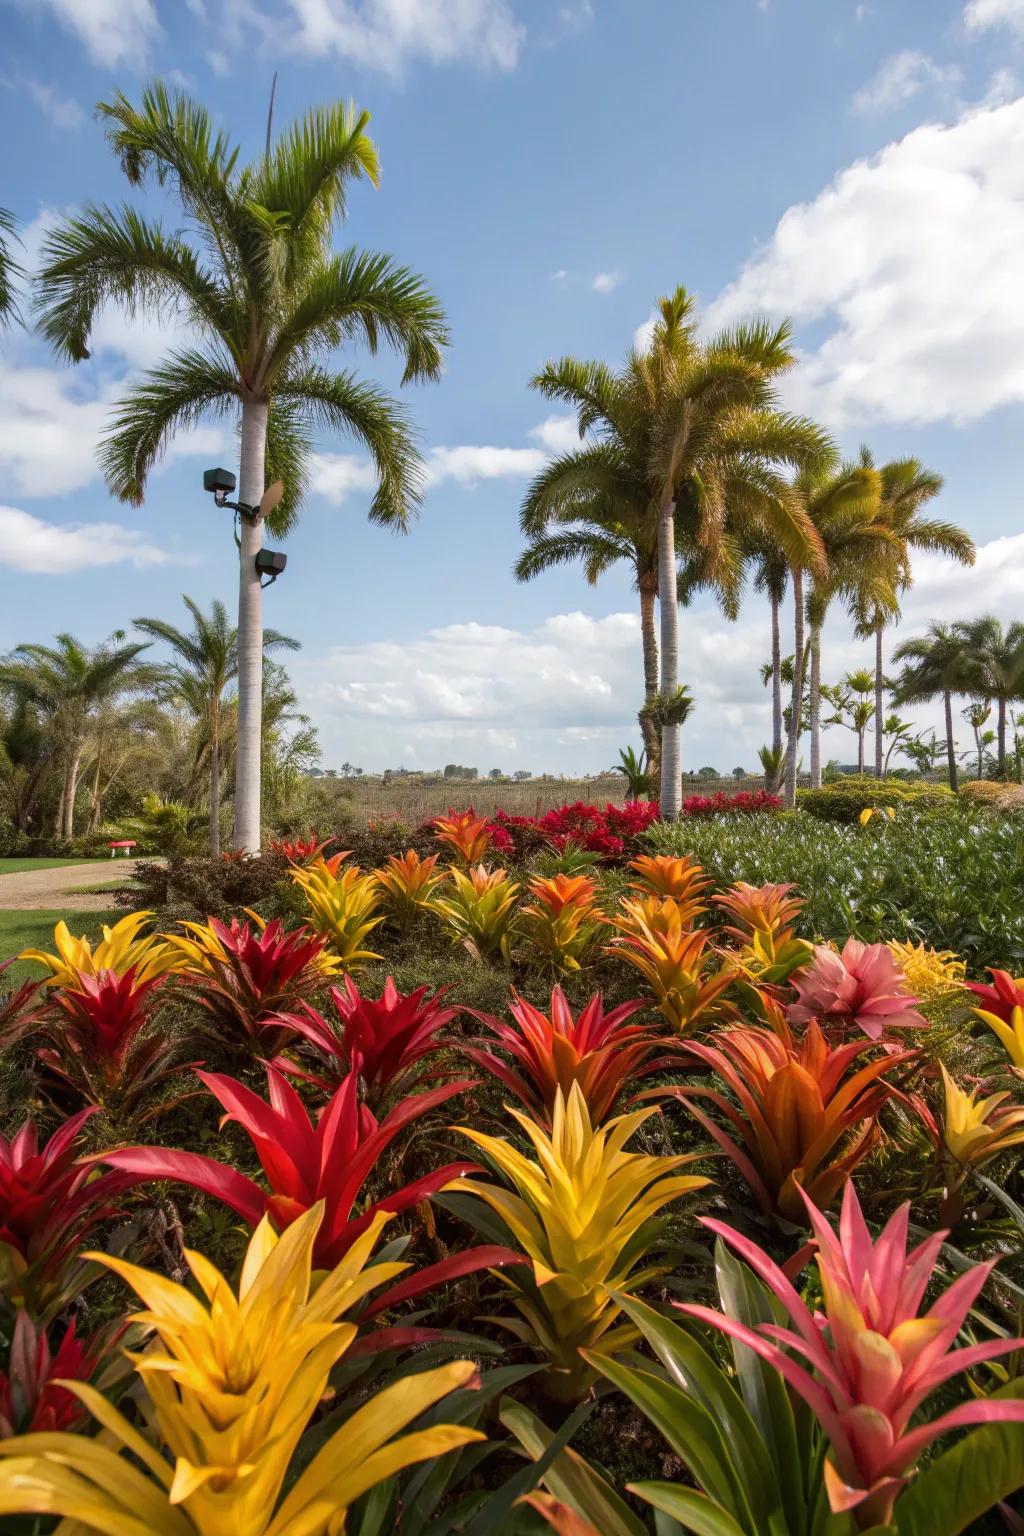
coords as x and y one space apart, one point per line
909 262
337 476
31 545
113 32
900 78
606 282
389 34
563 696
980 15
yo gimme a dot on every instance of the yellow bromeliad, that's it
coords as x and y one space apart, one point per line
479 909
410 884
122 948
232 1383
655 937
930 973
343 903
586 1214
1011 1034
976 1130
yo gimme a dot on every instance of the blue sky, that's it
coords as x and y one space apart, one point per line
550 167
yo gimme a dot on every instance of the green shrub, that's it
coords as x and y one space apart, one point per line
1007 799
844 798
201 887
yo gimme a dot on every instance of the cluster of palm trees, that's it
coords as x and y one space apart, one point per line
82 729
689 472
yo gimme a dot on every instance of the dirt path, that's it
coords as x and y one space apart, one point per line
63 888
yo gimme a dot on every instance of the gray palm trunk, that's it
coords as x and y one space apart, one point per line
789 796
1000 739
671 766
879 703
215 780
251 486
947 699
776 677
860 751
649 636
815 706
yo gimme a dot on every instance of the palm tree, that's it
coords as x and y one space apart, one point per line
9 270
977 715
936 665
852 697
66 683
205 665
998 655
268 301
691 426
906 487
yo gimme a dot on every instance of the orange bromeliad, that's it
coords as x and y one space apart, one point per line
465 833
564 921
665 875
768 949
655 938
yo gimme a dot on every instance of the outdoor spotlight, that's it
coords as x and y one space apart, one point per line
270 563
221 482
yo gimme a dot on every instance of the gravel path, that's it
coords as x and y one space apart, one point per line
63 888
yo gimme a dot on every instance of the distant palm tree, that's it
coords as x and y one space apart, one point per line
268 301
937 665
634 770
906 487
977 715
692 425
9 270
66 683
205 665
998 655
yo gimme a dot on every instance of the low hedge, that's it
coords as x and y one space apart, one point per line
1007 799
844 799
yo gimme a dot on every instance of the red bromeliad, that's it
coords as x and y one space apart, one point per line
1004 995
599 1051
50 1200
33 1397
246 974
796 1102
382 1041
307 1160
20 1010
861 988
871 1360
299 850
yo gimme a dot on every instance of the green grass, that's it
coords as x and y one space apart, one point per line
33 929
17 866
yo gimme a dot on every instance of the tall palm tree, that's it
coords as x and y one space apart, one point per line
937 665
9 270
269 302
998 656
694 424
67 682
205 664
906 487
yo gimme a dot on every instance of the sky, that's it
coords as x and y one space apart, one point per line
550 167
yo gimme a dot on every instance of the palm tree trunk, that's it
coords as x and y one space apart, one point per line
1000 740
671 768
776 677
815 706
94 799
789 797
215 784
648 630
950 744
879 701
71 790
860 751
58 825
250 631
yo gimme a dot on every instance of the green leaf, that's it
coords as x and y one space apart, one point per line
694 1511
967 1480
690 1431
375 1509
570 1478
501 1503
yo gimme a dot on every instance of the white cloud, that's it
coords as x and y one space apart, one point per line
468 464
606 282
1002 88
29 544
557 434
979 15
48 433
644 333
388 34
114 32
63 111
900 78
336 476
911 260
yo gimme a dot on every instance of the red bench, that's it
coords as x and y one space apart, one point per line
127 843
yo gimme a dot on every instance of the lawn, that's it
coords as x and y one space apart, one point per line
19 866
33 929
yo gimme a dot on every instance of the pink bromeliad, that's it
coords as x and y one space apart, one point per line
871 1361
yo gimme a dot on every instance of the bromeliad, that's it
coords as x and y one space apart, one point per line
797 1101
976 1130
586 1213
763 915
1010 1032
33 1394
1004 995
232 1384
654 938
383 1041
124 947
479 909
866 1367
465 833
563 923
930 973
246 974
679 877
344 904
862 988
602 1053
410 885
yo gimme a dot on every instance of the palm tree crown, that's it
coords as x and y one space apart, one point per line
268 301
936 665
